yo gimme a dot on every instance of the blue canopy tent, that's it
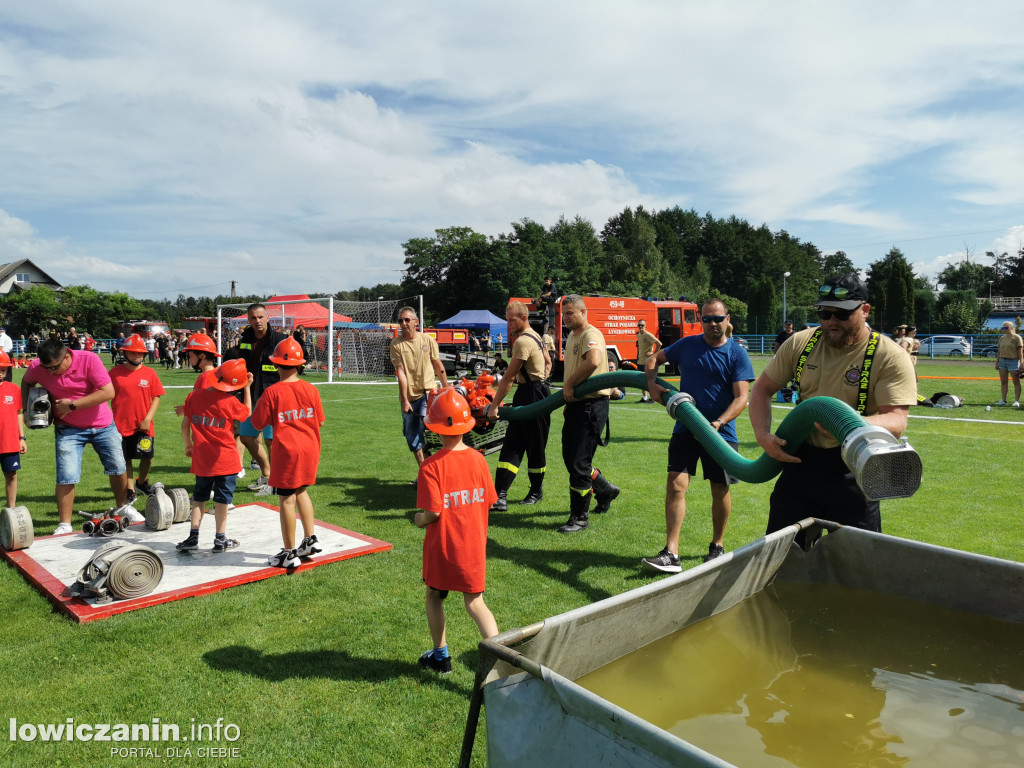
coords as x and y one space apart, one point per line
479 319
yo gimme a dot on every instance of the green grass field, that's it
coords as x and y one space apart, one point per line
320 667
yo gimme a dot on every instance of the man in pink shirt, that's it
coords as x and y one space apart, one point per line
80 389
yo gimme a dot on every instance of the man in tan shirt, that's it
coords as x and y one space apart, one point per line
846 353
416 359
647 344
529 368
585 418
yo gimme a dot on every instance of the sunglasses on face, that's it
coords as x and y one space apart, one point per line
713 318
835 292
839 314
407 320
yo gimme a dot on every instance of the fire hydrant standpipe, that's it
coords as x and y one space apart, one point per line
884 467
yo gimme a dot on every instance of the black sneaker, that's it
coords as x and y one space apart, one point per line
574 524
130 497
188 545
714 550
223 545
143 487
442 666
533 497
309 547
286 558
663 562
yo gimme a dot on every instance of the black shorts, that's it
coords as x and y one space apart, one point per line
683 453
131 449
10 462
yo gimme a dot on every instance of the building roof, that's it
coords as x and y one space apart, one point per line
6 270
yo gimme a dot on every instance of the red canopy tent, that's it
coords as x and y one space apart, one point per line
305 313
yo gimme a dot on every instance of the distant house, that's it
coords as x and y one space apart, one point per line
22 275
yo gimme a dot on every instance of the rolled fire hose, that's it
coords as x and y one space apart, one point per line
119 569
884 467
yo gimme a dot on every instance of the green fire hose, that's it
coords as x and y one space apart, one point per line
885 468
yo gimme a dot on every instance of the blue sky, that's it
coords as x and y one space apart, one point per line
166 148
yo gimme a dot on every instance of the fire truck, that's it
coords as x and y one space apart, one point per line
617 318
454 350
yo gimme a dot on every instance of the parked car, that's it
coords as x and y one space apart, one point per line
742 342
956 346
992 350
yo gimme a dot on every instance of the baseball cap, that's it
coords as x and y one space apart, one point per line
842 292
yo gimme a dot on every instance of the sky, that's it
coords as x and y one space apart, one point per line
171 148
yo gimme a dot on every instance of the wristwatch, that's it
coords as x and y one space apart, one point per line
72 406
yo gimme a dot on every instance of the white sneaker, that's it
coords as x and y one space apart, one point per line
263 482
63 528
1001 402
264 490
254 464
133 515
1016 403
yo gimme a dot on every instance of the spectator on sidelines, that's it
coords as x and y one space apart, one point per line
1010 363
115 348
783 336
81 390
7 347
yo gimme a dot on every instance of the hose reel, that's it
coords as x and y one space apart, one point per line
119 570
166 507
16 528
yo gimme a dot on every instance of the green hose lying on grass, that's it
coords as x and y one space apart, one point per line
885 468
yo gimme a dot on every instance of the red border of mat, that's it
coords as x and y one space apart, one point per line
78 609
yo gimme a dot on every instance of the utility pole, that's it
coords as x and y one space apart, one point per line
233 294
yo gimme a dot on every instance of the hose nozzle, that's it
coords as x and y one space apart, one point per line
883 466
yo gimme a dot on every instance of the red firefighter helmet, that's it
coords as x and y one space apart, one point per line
5 360
200 342
134 343
231 375
288 352
449 413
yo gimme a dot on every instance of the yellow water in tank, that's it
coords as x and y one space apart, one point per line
822 675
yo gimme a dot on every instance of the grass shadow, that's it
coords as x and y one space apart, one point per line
563 566
324 663
373 494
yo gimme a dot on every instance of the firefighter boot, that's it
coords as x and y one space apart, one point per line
536 485
579 512
605 492
501 505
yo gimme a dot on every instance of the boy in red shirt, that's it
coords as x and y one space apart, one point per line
454 492
208 433
12 431
137 393
292 406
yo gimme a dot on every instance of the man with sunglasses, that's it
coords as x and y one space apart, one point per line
81 390
716 372
416 358
846 360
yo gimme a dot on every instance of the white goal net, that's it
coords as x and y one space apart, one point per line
344 340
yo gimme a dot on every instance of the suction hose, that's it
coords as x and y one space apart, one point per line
884 467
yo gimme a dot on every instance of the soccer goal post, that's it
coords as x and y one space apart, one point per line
344 340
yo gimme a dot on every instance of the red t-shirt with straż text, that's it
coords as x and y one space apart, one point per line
10 407
294 410
133 395
211 415
457 486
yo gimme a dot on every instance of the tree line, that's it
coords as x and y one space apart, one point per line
666 254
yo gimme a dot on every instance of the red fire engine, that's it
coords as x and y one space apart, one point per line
617 319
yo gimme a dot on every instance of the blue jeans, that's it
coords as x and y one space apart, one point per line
70 443
412 424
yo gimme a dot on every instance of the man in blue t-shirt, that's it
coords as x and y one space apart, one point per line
716 372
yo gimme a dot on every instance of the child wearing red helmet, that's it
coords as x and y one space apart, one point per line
12 431
454 493
293 407
137 393
208 433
